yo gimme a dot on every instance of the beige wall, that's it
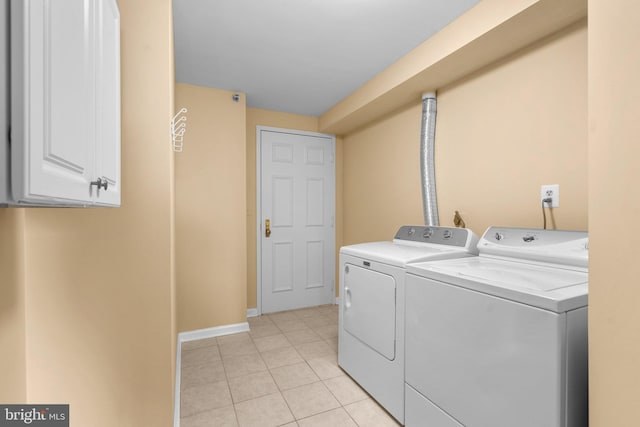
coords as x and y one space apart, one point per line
211 249
614 204
381 168
98 283
506 130
12 307
501 133
488 32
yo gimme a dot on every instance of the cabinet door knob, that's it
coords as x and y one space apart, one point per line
100 183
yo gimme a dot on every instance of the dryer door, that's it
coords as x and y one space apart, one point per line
370 308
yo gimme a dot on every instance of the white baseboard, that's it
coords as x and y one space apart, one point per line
216 331
252 312
176 393
199 334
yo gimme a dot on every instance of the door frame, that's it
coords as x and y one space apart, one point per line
258 223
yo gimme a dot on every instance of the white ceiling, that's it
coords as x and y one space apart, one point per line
299 56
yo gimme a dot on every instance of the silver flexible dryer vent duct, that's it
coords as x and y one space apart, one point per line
427 160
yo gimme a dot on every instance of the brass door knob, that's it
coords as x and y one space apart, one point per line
267 228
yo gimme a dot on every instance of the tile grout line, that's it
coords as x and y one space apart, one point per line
226 380
295 419
274 380
226 376
320 380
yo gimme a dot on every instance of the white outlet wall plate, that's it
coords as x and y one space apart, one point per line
550 191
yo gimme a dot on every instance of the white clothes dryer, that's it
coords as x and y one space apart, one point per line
500 340
371 319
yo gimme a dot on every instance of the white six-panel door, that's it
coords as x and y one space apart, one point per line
296 194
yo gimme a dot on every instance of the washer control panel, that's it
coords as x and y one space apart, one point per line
556 246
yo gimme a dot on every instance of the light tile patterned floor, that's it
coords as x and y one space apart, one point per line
284 372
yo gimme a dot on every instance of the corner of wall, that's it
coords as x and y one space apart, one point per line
13 387
211 207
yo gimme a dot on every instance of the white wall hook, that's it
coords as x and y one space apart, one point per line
178 129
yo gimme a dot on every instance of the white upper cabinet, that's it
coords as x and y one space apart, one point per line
65 102
107 161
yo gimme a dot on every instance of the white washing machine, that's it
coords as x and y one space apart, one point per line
371 319
500 340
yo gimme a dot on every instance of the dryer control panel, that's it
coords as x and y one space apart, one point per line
449 236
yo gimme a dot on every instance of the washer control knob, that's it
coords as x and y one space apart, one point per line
447 234
499 236
411 231
529 238
428 232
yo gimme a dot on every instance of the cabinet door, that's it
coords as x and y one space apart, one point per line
108 101
53 100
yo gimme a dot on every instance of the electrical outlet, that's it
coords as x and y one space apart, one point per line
553 192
